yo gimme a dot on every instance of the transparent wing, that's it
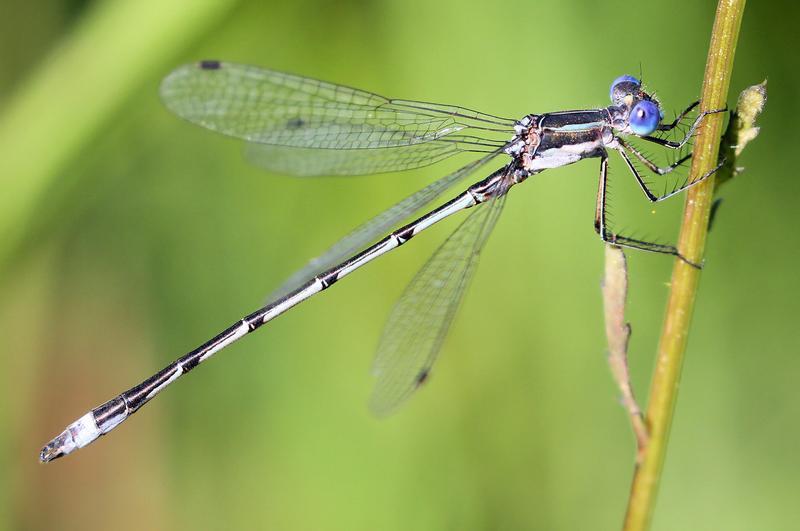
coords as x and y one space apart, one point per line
419 321
269 107
376 227
309 162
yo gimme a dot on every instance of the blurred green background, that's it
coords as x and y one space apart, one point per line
128 237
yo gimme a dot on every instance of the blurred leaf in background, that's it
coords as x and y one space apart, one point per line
129 237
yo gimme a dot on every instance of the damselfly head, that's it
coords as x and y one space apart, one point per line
645 112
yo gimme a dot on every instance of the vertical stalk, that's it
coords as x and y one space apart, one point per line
685 278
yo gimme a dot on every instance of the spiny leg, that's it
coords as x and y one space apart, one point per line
679 118
622 147
652 166
618 239
677 145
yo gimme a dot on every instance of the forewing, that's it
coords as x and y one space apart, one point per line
269 107
421 318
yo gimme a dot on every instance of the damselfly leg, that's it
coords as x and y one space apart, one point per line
624 147
679 118
608 236
689 134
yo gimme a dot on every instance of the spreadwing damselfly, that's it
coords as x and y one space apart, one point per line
301 126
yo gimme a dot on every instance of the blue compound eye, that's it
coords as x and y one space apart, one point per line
644 119
622 79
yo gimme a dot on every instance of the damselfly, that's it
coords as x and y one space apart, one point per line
298 125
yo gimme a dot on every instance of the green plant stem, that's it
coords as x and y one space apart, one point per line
685 278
